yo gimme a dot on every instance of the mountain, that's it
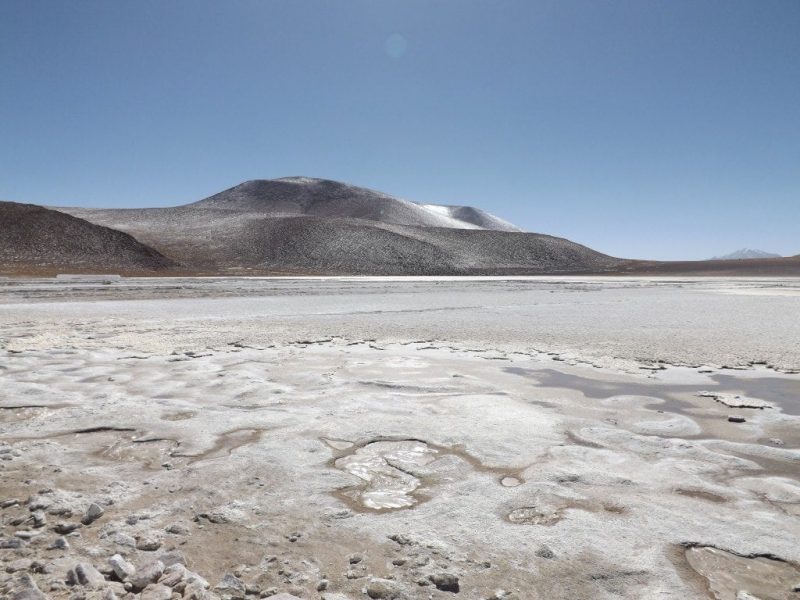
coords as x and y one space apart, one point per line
307 196
306 225
746 253
37 239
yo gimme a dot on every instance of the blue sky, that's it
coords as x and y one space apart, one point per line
664 129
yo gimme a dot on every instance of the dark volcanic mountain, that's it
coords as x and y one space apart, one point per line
37 239
304 225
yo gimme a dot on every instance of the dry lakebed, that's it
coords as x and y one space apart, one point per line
348 438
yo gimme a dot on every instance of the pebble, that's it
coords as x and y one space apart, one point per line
736 419
60 543
173 557
122 568
230 584
21 564
156 591
148 543
92 513
65 527
383 588
177 529
146 574
545 552
86 575
447 582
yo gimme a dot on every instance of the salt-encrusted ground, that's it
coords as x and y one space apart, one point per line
524 438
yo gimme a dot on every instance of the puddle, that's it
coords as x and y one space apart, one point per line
225 444
180 415
510 481
530 515
726 573
780 391
387 469
701 495
393 474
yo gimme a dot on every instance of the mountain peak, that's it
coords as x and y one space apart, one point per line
746 253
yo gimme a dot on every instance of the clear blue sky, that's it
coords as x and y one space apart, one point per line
642 128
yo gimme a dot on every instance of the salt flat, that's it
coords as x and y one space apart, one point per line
402 437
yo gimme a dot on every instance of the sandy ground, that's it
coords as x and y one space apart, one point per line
376 438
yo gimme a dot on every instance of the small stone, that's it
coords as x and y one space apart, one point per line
10 543
322 585
230 584
383 588
39 503
148 543
24 588
173 575
121 567
177 529
86 575
21 564
39 519
123 539
399 562
92 513
65 527
736 419
147 574
60 543
545 552
354 559
447 582
173 557
156 591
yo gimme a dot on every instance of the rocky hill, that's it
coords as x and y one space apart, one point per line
37 239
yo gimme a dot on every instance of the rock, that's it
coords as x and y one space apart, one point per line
335 597
10 543
173 557
545 552
60 543
148 542
156 591
173 575
177 529
231 585
383 588
122 568
92 513
86 575
322 585
65 527
38 518
39 503
447 582
401 539
24 588
736 419
355 558
123 539
147 574
21 564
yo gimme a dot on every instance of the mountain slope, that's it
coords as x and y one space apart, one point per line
34 238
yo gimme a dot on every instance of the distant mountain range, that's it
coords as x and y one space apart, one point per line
746 253
303 225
